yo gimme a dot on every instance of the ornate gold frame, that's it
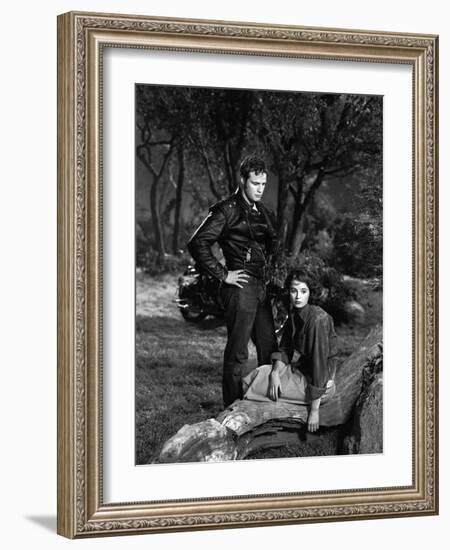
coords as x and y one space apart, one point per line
81 37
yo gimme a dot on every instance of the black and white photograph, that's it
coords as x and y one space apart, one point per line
221 322
259 274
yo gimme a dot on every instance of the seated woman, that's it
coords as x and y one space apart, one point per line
303 368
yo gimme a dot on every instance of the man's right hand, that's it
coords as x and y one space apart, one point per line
237 277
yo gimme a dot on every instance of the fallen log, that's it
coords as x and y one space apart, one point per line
248 426
366 436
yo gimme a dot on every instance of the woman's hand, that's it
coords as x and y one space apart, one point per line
274 385
313 417
313 420
237 277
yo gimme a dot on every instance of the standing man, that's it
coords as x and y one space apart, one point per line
242 227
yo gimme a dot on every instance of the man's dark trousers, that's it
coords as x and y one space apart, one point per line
248 315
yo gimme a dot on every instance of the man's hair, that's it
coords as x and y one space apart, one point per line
303 276
252 163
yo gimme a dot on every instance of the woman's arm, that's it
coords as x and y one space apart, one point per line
319 350
275 389
281 358
318 353
313 417
286 347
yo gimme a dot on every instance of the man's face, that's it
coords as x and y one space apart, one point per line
254 186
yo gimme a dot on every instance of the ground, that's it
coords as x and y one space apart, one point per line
179 364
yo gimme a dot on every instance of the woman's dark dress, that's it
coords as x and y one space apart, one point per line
307 349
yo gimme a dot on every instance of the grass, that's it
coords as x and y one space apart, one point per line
179 365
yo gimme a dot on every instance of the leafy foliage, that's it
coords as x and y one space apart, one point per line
153 263
334 292
357 247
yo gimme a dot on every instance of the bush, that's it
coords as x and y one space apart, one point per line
153 263
336 292
358 247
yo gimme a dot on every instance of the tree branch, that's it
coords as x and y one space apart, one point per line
212 183
229 168
143 159
294 192
166 158
343 170
311 192
159 142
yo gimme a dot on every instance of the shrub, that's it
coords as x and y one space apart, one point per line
358 247
154 263
336 292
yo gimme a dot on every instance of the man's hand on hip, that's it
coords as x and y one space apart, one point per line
237 277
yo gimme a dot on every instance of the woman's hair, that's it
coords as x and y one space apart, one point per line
301 275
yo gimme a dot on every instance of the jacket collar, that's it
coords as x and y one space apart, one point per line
241 200
303 313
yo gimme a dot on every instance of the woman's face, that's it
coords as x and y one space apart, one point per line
299 294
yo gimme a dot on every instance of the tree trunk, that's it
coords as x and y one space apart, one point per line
229 169
212 181
178 201
298 233
297 238
156 220
282 210
153 197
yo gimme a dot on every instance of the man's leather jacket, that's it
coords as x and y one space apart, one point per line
246 236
